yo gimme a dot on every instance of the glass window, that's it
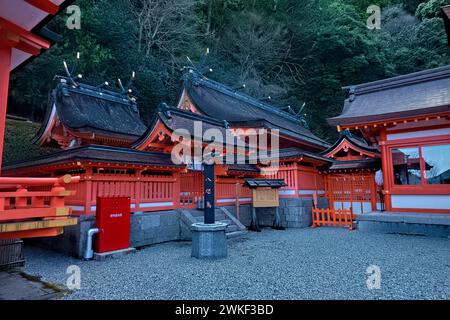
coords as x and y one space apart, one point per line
437 164
406 163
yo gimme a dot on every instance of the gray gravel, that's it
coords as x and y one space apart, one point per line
322 263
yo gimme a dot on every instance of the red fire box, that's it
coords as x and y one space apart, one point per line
113 222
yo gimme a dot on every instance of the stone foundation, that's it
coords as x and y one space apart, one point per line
163 226
294 212
422 224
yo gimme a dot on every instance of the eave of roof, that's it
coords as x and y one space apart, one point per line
356 142
366 99
353 165
34 26
271 183
97 153
297 154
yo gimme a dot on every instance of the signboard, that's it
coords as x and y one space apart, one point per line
265 197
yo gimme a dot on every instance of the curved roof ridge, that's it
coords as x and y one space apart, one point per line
240 95
400 80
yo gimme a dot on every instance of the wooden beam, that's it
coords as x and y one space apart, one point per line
44 5
24 34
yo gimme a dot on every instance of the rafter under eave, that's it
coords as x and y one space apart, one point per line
44 5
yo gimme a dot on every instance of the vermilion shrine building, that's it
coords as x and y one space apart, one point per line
399 125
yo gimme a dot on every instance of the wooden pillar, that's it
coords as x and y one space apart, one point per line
88 191
385 167
296 177
5 65
176 190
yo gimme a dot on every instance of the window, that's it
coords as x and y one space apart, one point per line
406 163
422 165
437 164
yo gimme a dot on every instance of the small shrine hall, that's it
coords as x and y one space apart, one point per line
392 157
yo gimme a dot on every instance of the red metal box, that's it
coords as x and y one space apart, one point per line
113 222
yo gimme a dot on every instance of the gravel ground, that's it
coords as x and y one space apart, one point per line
323 263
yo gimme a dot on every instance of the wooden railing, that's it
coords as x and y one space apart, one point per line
332 217
147 192
17 202
34 207
191 189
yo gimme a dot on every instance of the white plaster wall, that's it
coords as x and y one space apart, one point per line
421 201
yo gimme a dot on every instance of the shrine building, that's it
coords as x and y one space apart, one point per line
390 164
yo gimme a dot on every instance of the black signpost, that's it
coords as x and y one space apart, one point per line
208 174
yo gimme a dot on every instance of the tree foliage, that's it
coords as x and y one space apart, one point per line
295 51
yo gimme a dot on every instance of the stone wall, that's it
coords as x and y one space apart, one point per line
154 227
162 226
72 241
145 229
294 212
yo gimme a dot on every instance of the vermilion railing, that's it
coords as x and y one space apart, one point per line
147 192
29 206
332 217
17 202
191 189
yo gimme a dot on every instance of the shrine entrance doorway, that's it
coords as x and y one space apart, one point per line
355 191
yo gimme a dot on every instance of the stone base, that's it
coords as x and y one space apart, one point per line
113 254
209 241
423 224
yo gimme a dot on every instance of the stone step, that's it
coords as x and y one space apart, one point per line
232 228
235 234
217 217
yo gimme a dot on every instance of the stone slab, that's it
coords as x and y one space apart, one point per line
113 254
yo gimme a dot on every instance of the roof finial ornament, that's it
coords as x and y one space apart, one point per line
299 115
200 69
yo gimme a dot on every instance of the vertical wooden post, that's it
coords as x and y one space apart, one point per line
296 180
5 65
238 194
21 202
88 190
387 170
176 190
137 190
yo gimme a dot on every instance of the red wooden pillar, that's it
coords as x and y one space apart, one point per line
176 190
5 65
88 191
387 171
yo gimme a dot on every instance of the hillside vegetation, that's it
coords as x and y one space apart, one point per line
295 51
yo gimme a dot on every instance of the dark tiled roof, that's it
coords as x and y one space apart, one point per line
89 109
374 164
295 153
272 183
243 168
223 103
97 153
174 118
414 94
